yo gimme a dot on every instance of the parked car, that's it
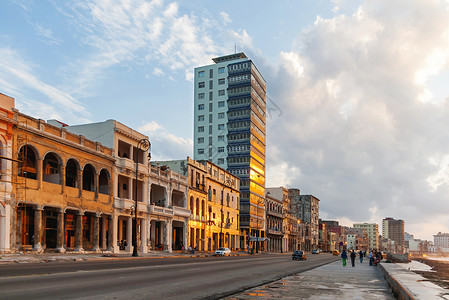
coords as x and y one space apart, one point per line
222 251
335 252
299 255
316 251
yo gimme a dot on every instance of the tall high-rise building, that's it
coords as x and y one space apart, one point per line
229 130
394 230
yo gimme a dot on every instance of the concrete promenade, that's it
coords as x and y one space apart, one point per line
331 281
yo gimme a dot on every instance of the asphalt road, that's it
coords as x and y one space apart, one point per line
143 278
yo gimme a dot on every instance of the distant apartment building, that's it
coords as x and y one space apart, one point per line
230 127
394 230
372 229
441 240
306 209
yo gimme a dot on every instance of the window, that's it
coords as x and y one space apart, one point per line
200 151
221 92
200 106
221 161
201 96
201 118
201 84
211 95
221 104
200 128
221 127
221 81
221 115
201 74
200 140
211 73
221 70
211 84
221 138
220 149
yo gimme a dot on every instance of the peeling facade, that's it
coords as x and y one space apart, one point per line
213 203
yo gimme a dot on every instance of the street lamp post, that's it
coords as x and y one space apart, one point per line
259 201
143 145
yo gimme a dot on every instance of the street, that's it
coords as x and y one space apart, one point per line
146 278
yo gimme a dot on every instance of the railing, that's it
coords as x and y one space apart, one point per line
180 211
161 210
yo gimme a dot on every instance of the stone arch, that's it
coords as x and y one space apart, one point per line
89 177
51 168
72 173
104 180
28 161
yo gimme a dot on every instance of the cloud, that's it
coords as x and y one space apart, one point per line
138 33
21 81
354 120
47 35
225 17
165 145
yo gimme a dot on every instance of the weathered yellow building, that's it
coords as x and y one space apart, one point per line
61 187
214 199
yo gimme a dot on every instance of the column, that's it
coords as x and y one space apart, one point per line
96 234
143 235
79 232
185 233
62 179
112 238
37 230
39 172
60 232
167 238
129 234
103 233
18 229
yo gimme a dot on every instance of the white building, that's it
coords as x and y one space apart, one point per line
441 240
372 229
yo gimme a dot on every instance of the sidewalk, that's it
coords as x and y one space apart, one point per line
331 281
74 256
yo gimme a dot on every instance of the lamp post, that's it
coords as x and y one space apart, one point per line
259 201
143 145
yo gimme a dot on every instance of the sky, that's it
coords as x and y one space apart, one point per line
357 91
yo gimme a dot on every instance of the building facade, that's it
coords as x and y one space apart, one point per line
441 240
394 230
372 229
62 187
229 130
275 219
213 202
306 209
162 212
6 164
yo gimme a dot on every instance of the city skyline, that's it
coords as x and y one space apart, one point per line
356 94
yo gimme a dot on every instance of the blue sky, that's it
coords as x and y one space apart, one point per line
358 89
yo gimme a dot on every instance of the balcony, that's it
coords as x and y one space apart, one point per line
275 232
181 211
127 165
162 211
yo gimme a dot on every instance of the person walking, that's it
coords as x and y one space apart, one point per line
361 256
353 255
344 257
371 259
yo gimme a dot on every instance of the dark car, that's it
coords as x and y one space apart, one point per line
299 255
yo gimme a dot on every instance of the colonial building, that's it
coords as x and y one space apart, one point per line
6 162
161 194
275 219
214 199
291 224
62 186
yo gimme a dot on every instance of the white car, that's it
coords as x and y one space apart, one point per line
222 251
